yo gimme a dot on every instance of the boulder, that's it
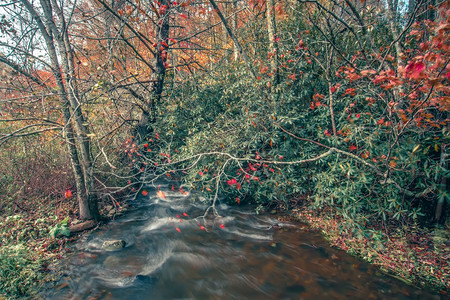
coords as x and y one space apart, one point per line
113 245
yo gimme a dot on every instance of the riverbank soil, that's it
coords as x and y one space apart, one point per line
33 236
417 256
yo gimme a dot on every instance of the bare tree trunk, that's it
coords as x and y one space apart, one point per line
48 29
273 42
235 28
157 85
393 16
330 91
67 59
233 37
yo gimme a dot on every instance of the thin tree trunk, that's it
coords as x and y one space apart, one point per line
330 92
47 29
157 85
235 28
273 42
67 59
233 37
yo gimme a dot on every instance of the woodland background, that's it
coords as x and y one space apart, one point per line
338 106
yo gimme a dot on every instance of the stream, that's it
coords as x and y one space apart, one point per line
172 252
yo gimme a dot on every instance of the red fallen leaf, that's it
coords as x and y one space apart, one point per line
380 121
352 147
145 145
202 227
68 194
185 214
238 200
358 116
238 186
173 188
327 132
62 285
161 194
183 16
144 193
178 229
183 191
178 216
127 273
200 173
222 226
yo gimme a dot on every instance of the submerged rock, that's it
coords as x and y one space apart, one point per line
112 262
113 245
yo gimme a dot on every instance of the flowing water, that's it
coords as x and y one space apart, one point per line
168 255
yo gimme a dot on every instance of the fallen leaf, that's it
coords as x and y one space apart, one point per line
161 194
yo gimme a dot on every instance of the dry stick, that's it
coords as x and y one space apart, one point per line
233 37
139 35
361 44
5 138
18 69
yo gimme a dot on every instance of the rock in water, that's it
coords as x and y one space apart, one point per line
113 245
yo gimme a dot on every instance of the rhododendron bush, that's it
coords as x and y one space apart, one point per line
361 129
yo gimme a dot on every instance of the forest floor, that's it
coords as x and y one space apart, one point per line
417 256
28 249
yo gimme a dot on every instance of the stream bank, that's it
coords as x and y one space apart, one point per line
171 251
419 257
